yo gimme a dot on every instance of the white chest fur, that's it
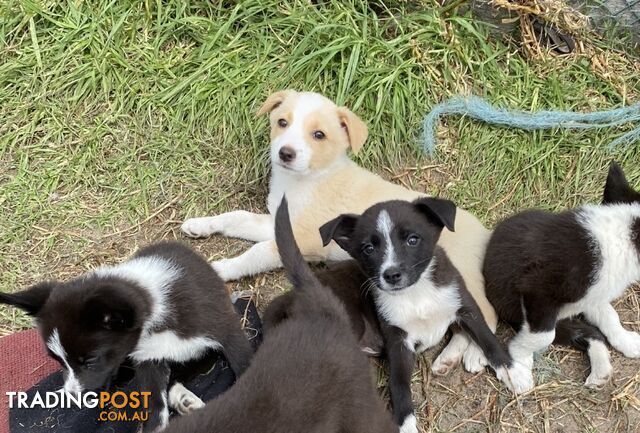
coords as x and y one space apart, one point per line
619 261
423 311
301 188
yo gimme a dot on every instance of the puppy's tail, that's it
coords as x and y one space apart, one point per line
294 264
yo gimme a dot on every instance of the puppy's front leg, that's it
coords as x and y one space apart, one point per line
605 318
237 224
473 322
401 360
515 375
154 378
261 257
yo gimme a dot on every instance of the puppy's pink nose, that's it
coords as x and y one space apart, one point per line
287 154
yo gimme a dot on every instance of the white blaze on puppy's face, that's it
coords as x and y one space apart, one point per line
384 226
54 344
309 132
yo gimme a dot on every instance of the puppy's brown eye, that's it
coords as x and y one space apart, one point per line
413 240
318 135
282 123
367 249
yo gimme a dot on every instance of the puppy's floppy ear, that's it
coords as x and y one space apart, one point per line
339 229
354 126
617 189
30 300
439 210
273 101
110 312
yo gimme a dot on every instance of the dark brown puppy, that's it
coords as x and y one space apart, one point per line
350 285
307 376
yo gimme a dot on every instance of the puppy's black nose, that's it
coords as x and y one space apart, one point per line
392 275
287 154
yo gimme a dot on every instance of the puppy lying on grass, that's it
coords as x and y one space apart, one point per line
307 376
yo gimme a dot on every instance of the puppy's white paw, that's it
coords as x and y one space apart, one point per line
601 368
518 378
445 363
183 400
627 343
409 425
597 380
201 227
474 359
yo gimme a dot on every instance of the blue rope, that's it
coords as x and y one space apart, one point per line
479 109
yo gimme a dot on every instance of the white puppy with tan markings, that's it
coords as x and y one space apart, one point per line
310 137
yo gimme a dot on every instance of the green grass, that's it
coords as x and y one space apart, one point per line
111 109
118 119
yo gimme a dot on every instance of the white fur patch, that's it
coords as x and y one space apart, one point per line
409 425
238 224
451 355
261 257
385 227
422 310
606 318
71 383
610 229
518 377
474 358
154 274
600 364
526 343
168 345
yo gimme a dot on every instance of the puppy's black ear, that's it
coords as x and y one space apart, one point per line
339 229
30 300
617 189
439 210
112 314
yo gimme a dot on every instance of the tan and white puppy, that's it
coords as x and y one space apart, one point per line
310 137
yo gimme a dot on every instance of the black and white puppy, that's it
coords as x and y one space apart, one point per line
553 276
418 293
165 306
308 374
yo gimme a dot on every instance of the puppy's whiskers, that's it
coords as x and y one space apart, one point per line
421 262
368 285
